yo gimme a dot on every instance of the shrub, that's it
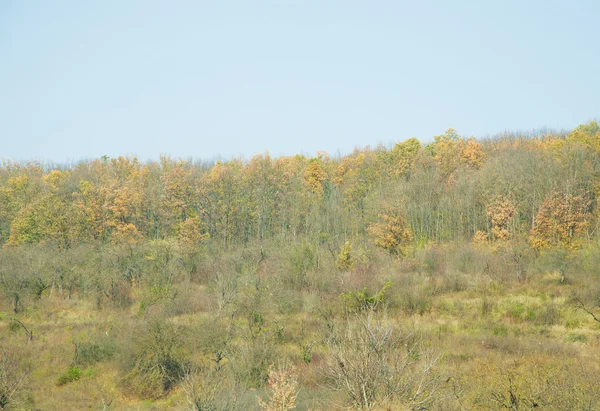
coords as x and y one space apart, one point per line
90 352
416 301
72 374
157 361
547 315
363 300
252 364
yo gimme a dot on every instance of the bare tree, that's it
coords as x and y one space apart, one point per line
13 379
374 365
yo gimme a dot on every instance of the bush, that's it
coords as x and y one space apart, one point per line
251 363
72 374
416 301
302 258
157 361
547 315
90 352
363 300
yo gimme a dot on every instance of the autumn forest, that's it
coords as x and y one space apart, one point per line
461 274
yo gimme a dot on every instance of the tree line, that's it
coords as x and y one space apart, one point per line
541 189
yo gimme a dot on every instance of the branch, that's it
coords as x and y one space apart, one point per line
584 308
27 331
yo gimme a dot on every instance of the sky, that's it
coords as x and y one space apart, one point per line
216 79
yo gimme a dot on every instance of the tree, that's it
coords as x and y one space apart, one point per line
13 379
404 156
501 212
451 151
345 259
586 134
561 219
375 365
219 200
157 361
392 232
284 389
315 177
88 206
177 193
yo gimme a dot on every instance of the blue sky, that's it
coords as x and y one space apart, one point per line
82 79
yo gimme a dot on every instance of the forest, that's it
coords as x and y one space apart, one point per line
461 274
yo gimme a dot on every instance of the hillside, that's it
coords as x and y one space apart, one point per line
460 274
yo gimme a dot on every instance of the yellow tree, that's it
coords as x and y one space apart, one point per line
88 203
587 134
472 155
349 177
561 219
50 217
176 197
191 232
20 186
405 156
391 232
501 212
356 177
315 177
219 199
125 182
451 151
345 259
445 150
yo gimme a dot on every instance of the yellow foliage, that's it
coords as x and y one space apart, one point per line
345 261
404 156
480 238
176 188
451 151
501 212
54 178
392 232
472 154
560 220
190 232
315 177
89 205
587 134
126 234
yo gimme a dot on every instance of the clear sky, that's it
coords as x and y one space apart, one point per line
82 79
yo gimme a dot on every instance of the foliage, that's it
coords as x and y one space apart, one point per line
87 352
157 362
362 300
501 212
392 232
173 281
345 260
560 220
72 374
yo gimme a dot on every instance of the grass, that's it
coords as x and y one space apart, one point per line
481 329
